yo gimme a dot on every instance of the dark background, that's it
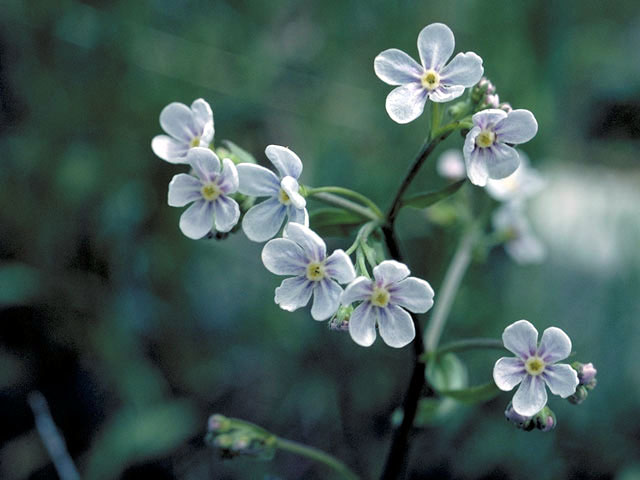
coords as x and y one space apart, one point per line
135 334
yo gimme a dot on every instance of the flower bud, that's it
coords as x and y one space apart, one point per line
506 107
340 321
545 420
514 417
586 374
232 437
580 396
218 423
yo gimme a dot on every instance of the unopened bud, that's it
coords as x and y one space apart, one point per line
586 374
580 396
545 420
514 417
492 101
218 423
340 321
506 107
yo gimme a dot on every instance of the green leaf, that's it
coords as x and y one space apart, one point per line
447 372
475 394
334 221
238 154
424 200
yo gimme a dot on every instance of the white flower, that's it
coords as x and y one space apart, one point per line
187 128
264 220
487 150
304 254
534 366
208 191
450 165
433 79
382 301
525 182
522 244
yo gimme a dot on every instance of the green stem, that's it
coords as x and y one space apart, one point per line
450 285
435 118
331 199
345 192
470 344
363 235
318 456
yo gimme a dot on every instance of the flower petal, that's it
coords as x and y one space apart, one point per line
435 45
531 396
501 160
207 135
313 246
197 220
170 149
285 161
395 67
555 345
520 126
508 372
362 324
202 114
184 189
476 163
339 266
228 180
257 181
177 120
360 289
561 379
227 213
520 338
390 271
204 162
488 118
263 221
298 215
526 249
294 293
406 103
284 257
446 93
326 299
465 69
450 165
290 186
396 326
414 294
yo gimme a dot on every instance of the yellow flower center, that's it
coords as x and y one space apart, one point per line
195 142
210 191
485 138
283 197
315 271
380 297
430 80
534 366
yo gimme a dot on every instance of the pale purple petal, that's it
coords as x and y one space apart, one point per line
284 257
227 213
313 246
326 299
465 69
170 149
257 181
520 126
561 379
197 220
202 114
435 45
206 137
294 293
508 372
446 93
228 180
414 294
390 271
286 161
339 266
263 221
501 160
521 338
177 120
476 161
290 186
360 289
184 189
395 67
406 103
488 118
204 162
298 215
362 325
396 326
555 345
531 396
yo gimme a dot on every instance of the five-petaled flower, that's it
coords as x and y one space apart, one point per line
487 149
433 79
187 128
525 182
534 366
264 220
209 191
521 243
382 301
303 253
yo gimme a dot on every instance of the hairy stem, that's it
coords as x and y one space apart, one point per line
318 456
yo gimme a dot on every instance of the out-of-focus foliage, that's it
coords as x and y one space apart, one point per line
135 334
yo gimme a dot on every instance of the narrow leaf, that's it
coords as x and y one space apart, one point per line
332 221
424 200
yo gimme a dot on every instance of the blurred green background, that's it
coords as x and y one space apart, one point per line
135 334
